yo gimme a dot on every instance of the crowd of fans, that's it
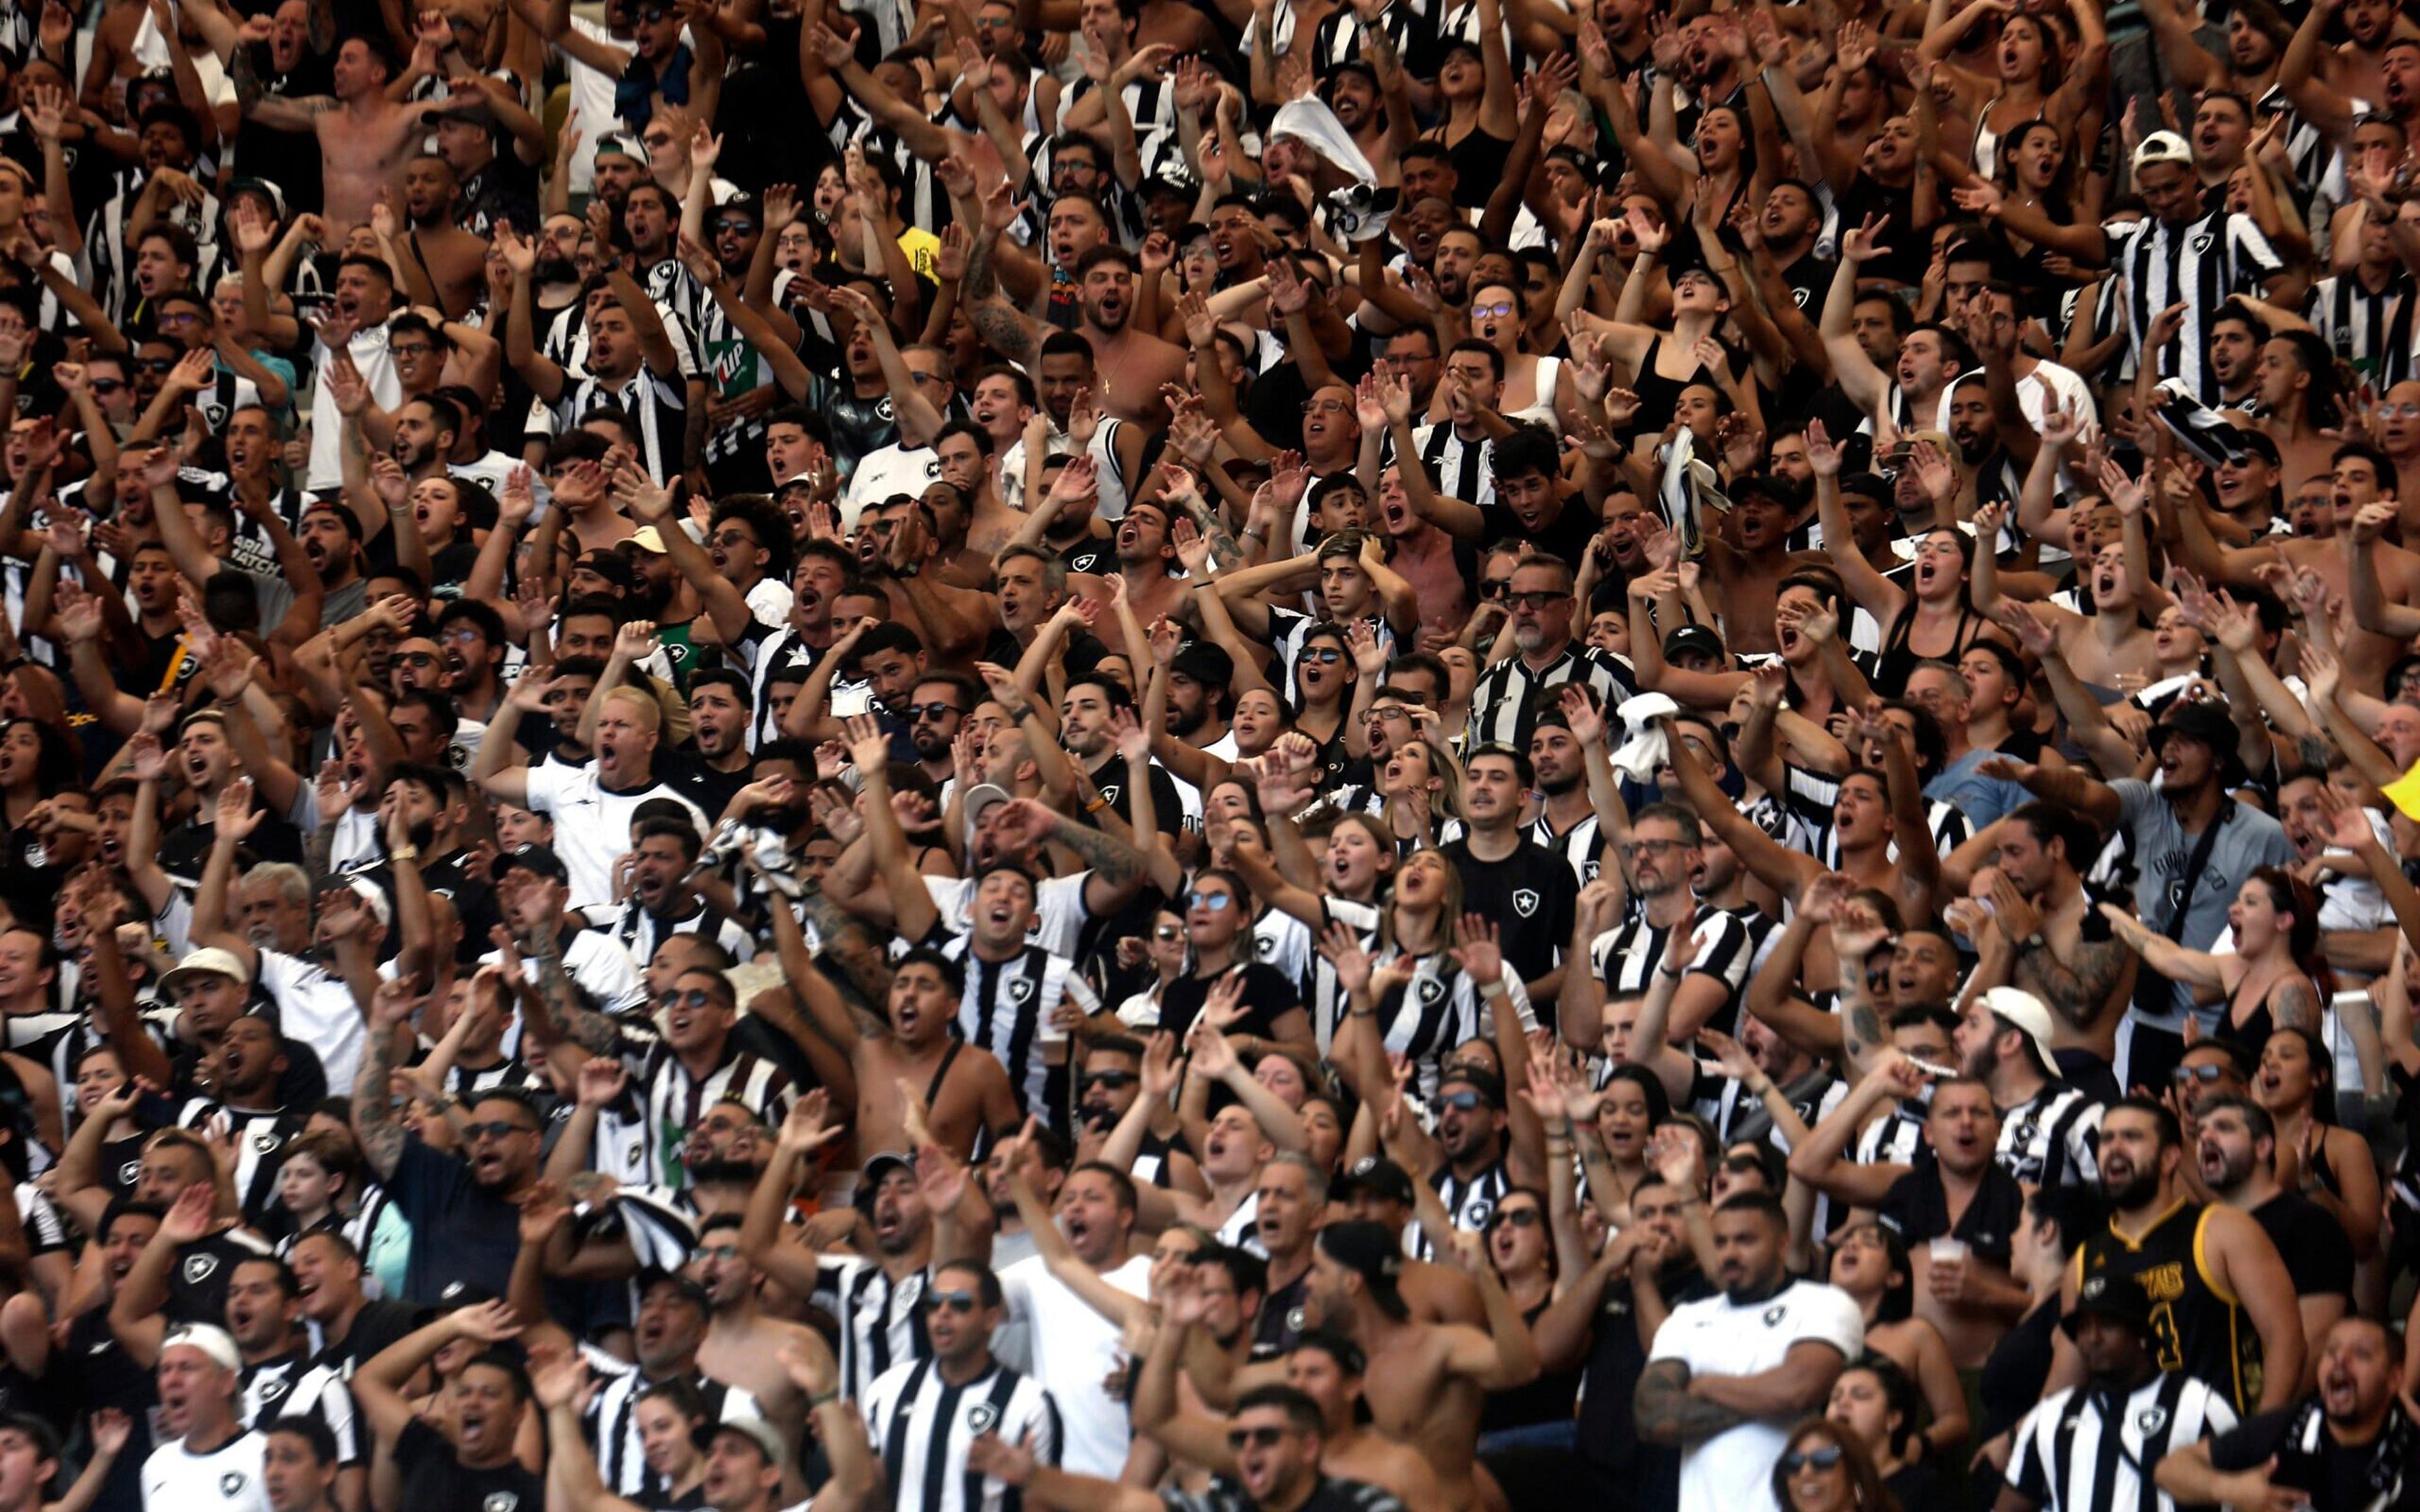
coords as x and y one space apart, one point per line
1391 756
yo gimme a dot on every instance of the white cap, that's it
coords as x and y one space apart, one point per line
2020 1009
2162 147
213 1341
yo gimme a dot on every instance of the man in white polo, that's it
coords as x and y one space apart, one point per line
209 1460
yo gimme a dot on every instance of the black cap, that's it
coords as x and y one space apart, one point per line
1872 486
613 566
2197 719
683 1284
1367 1250
2118 1298
1206 661
1694 640
540 859
1379 1176
455 1296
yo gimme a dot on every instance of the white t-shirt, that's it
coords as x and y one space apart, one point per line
376 367
1076 1349
592 825
884 472
317 1008
227 1481
1734 1470
1059 913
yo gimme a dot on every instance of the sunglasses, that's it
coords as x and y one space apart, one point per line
2187 1076
736 228
1217 903
1461 1102
156 364
417 658
494 1128
1536 598
1324 656
1495 587
955 1302
1238 1440
932 711
675 998
1116 1081
1517 1217
1823 1459
105 385
1165 932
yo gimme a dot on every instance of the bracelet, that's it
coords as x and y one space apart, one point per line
1360 1012
1096 805
1667 971
1492 991
825 1399
1760 1091
406 853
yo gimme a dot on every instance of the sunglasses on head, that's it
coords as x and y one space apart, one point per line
1742 1164
956 1302
1823 1459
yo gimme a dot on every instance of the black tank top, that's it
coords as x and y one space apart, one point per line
2198 1328
1899 660
1659 397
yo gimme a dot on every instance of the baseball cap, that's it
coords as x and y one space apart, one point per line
2118 1298
267 191
683 1286
539 859
1379 1176
2020 1008
1370 1251
877 1167
210 960
211 1339
616 143
1694 641
754 1429
2198 719
648 539
2162 147
1206 662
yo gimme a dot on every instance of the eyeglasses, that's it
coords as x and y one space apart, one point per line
1653 847
1823 1459
1325 406
660 139
734 538
1324 656
1517 1217
1115 1081
956 1302
1537 598
1481 312
675 998
932 711
495 1129
924 377
460 632
715 1252
1238 1440
1217 903
410 348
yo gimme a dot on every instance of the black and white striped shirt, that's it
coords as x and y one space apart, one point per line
1626 959
881 1319
1326 999
2361 325
1438 1009
677 1100
611 1424
2197 264
2065 1458
1503 704
1458 468
657 408
2051 1139
1006 1009
1582 845
921 1425
292 1386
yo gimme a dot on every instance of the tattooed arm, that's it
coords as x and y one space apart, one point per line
1118 868
2295 1005
851 945
1005 328
1667 1414
587 1028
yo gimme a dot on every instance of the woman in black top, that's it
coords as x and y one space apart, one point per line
1482 100
2057 1220
1876 1401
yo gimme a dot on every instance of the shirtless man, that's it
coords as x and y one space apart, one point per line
441 264
744 1345
2048 937
364 136
2363 476
1132 363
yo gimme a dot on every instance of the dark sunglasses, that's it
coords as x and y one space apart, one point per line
1324 656
417 658
1517 1217
675 998
494 1128
105 385
1495 587
1114 1080
932 711
156 364
1536 598
1165 931
1238 1440
737 225
1823 1459
1461 1102
956 1302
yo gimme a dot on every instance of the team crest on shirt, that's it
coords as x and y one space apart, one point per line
272 1390
2151 1419
501 1501
1110 792
231 1484
129 1172
1775 1314
215 413
1264 945
1476 1213
197 1269
2201 242
265 1141
1525 902
1431 990
980 1417
1019 989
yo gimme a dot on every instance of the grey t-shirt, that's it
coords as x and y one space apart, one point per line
2249 839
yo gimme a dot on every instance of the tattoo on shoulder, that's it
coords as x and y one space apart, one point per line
2295 1005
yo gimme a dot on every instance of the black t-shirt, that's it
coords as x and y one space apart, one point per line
433 1478
1267 993
1167 808
90 1371
376 1325
1917 1207
710 790
2332 1477
197 1284
1529 895
482 1230
1565 537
